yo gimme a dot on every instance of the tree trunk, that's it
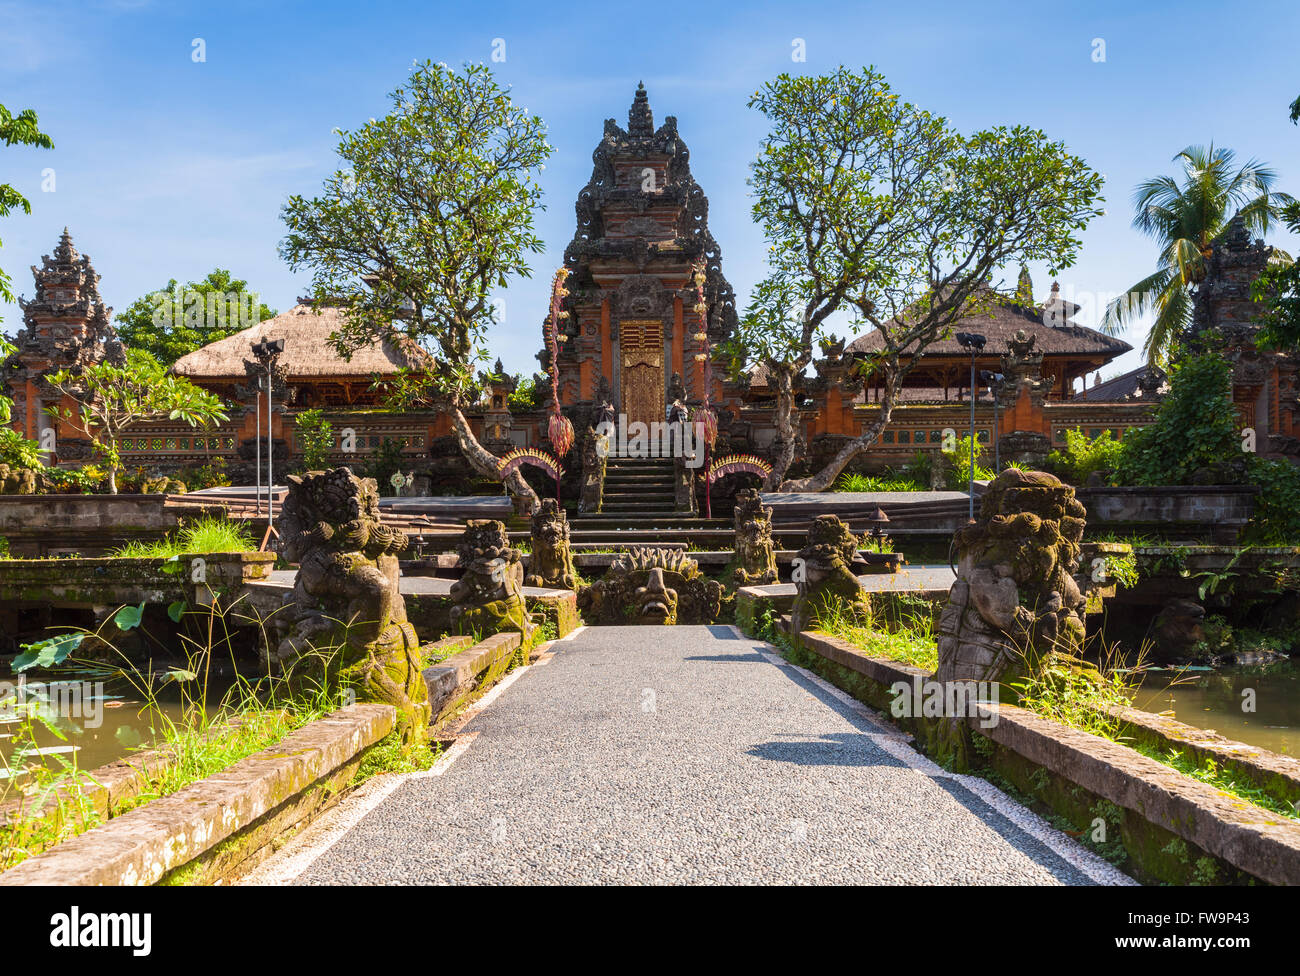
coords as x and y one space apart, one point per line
485 462
827 475
785 430
112 480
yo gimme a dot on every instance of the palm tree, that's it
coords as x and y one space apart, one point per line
1185 219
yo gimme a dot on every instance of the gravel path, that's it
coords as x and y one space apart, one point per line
692 755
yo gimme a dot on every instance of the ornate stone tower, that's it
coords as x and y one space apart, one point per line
1265 385
66 325
642 226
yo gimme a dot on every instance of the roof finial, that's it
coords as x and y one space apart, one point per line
65 252
640 120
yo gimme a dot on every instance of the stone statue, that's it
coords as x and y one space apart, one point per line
1015 599
17 481
551 564
825 577
489 597
346 599
652 586
754 563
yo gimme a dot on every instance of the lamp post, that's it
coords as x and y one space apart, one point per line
994 383
266 351
975 343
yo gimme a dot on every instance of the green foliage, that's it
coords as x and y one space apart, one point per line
1276 519
48 652
1195 426
315 438
1123 569
88 479
420 267
958 470
911 641
887 481
1278 290
876 208
385 461
176 319
1073 693
19 452
207 533
113 396
1184 218
1083 455
526 396
22 129
389 755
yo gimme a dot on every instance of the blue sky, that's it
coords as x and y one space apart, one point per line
165 167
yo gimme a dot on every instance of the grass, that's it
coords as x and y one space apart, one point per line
204 534
208 736
1068 691
910 641
889 481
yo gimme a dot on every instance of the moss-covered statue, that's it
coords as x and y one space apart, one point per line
348 614
824 573
652 586
754 563
551 563
1015 599
17 481
489 596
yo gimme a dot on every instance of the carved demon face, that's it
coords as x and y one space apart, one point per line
655 603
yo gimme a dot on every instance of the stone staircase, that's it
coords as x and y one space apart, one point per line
638 486
640 507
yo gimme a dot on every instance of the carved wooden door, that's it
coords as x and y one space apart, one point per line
642 347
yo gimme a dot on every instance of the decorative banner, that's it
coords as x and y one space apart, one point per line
735 464
528 455
560 432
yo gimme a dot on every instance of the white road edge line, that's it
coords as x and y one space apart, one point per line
896 743
290 862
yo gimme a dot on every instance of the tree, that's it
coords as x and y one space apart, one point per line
434 210
112 396
1195 426
315 437
878 209
1295 111
22 129
1278 289
175 320
1184 219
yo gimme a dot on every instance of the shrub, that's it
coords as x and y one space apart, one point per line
886 481
315 438
958 467
1082 456
1276 520
17 451
204 534
1195 427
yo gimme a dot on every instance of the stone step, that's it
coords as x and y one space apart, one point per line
640 464
665 497
647 521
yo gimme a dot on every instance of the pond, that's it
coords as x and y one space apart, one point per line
100 720
1214 699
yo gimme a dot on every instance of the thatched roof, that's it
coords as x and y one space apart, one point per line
1004 318
307 350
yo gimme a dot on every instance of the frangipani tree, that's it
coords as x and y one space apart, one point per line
112 396
878 210
433 209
